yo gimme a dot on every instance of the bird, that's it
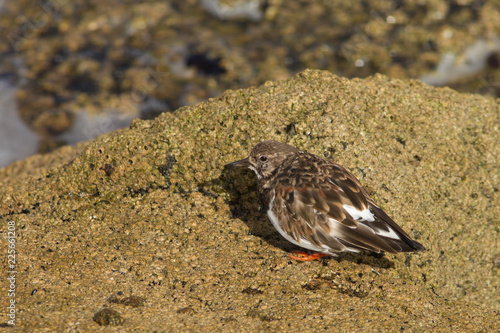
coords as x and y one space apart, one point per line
319 205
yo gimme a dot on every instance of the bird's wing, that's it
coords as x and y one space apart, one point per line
336 214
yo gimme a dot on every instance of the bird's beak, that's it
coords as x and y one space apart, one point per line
241 163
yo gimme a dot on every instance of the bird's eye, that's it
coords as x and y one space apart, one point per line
263 158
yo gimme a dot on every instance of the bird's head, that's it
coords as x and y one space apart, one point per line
265 157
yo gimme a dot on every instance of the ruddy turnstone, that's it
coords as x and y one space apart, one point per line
319 205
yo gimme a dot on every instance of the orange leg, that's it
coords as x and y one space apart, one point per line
307 256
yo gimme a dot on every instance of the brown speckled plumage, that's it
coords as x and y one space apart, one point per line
319 205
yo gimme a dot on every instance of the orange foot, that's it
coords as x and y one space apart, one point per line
307 256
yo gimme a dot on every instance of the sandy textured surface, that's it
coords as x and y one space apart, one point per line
81 59
149 213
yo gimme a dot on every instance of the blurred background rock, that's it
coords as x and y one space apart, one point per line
82 68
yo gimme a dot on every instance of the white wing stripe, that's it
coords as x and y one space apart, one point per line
390 234
359 215
367 216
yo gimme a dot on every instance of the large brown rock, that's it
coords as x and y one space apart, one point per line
146 221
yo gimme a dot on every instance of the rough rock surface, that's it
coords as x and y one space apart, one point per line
146 222
77 60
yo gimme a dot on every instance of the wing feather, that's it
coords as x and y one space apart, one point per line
317 215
